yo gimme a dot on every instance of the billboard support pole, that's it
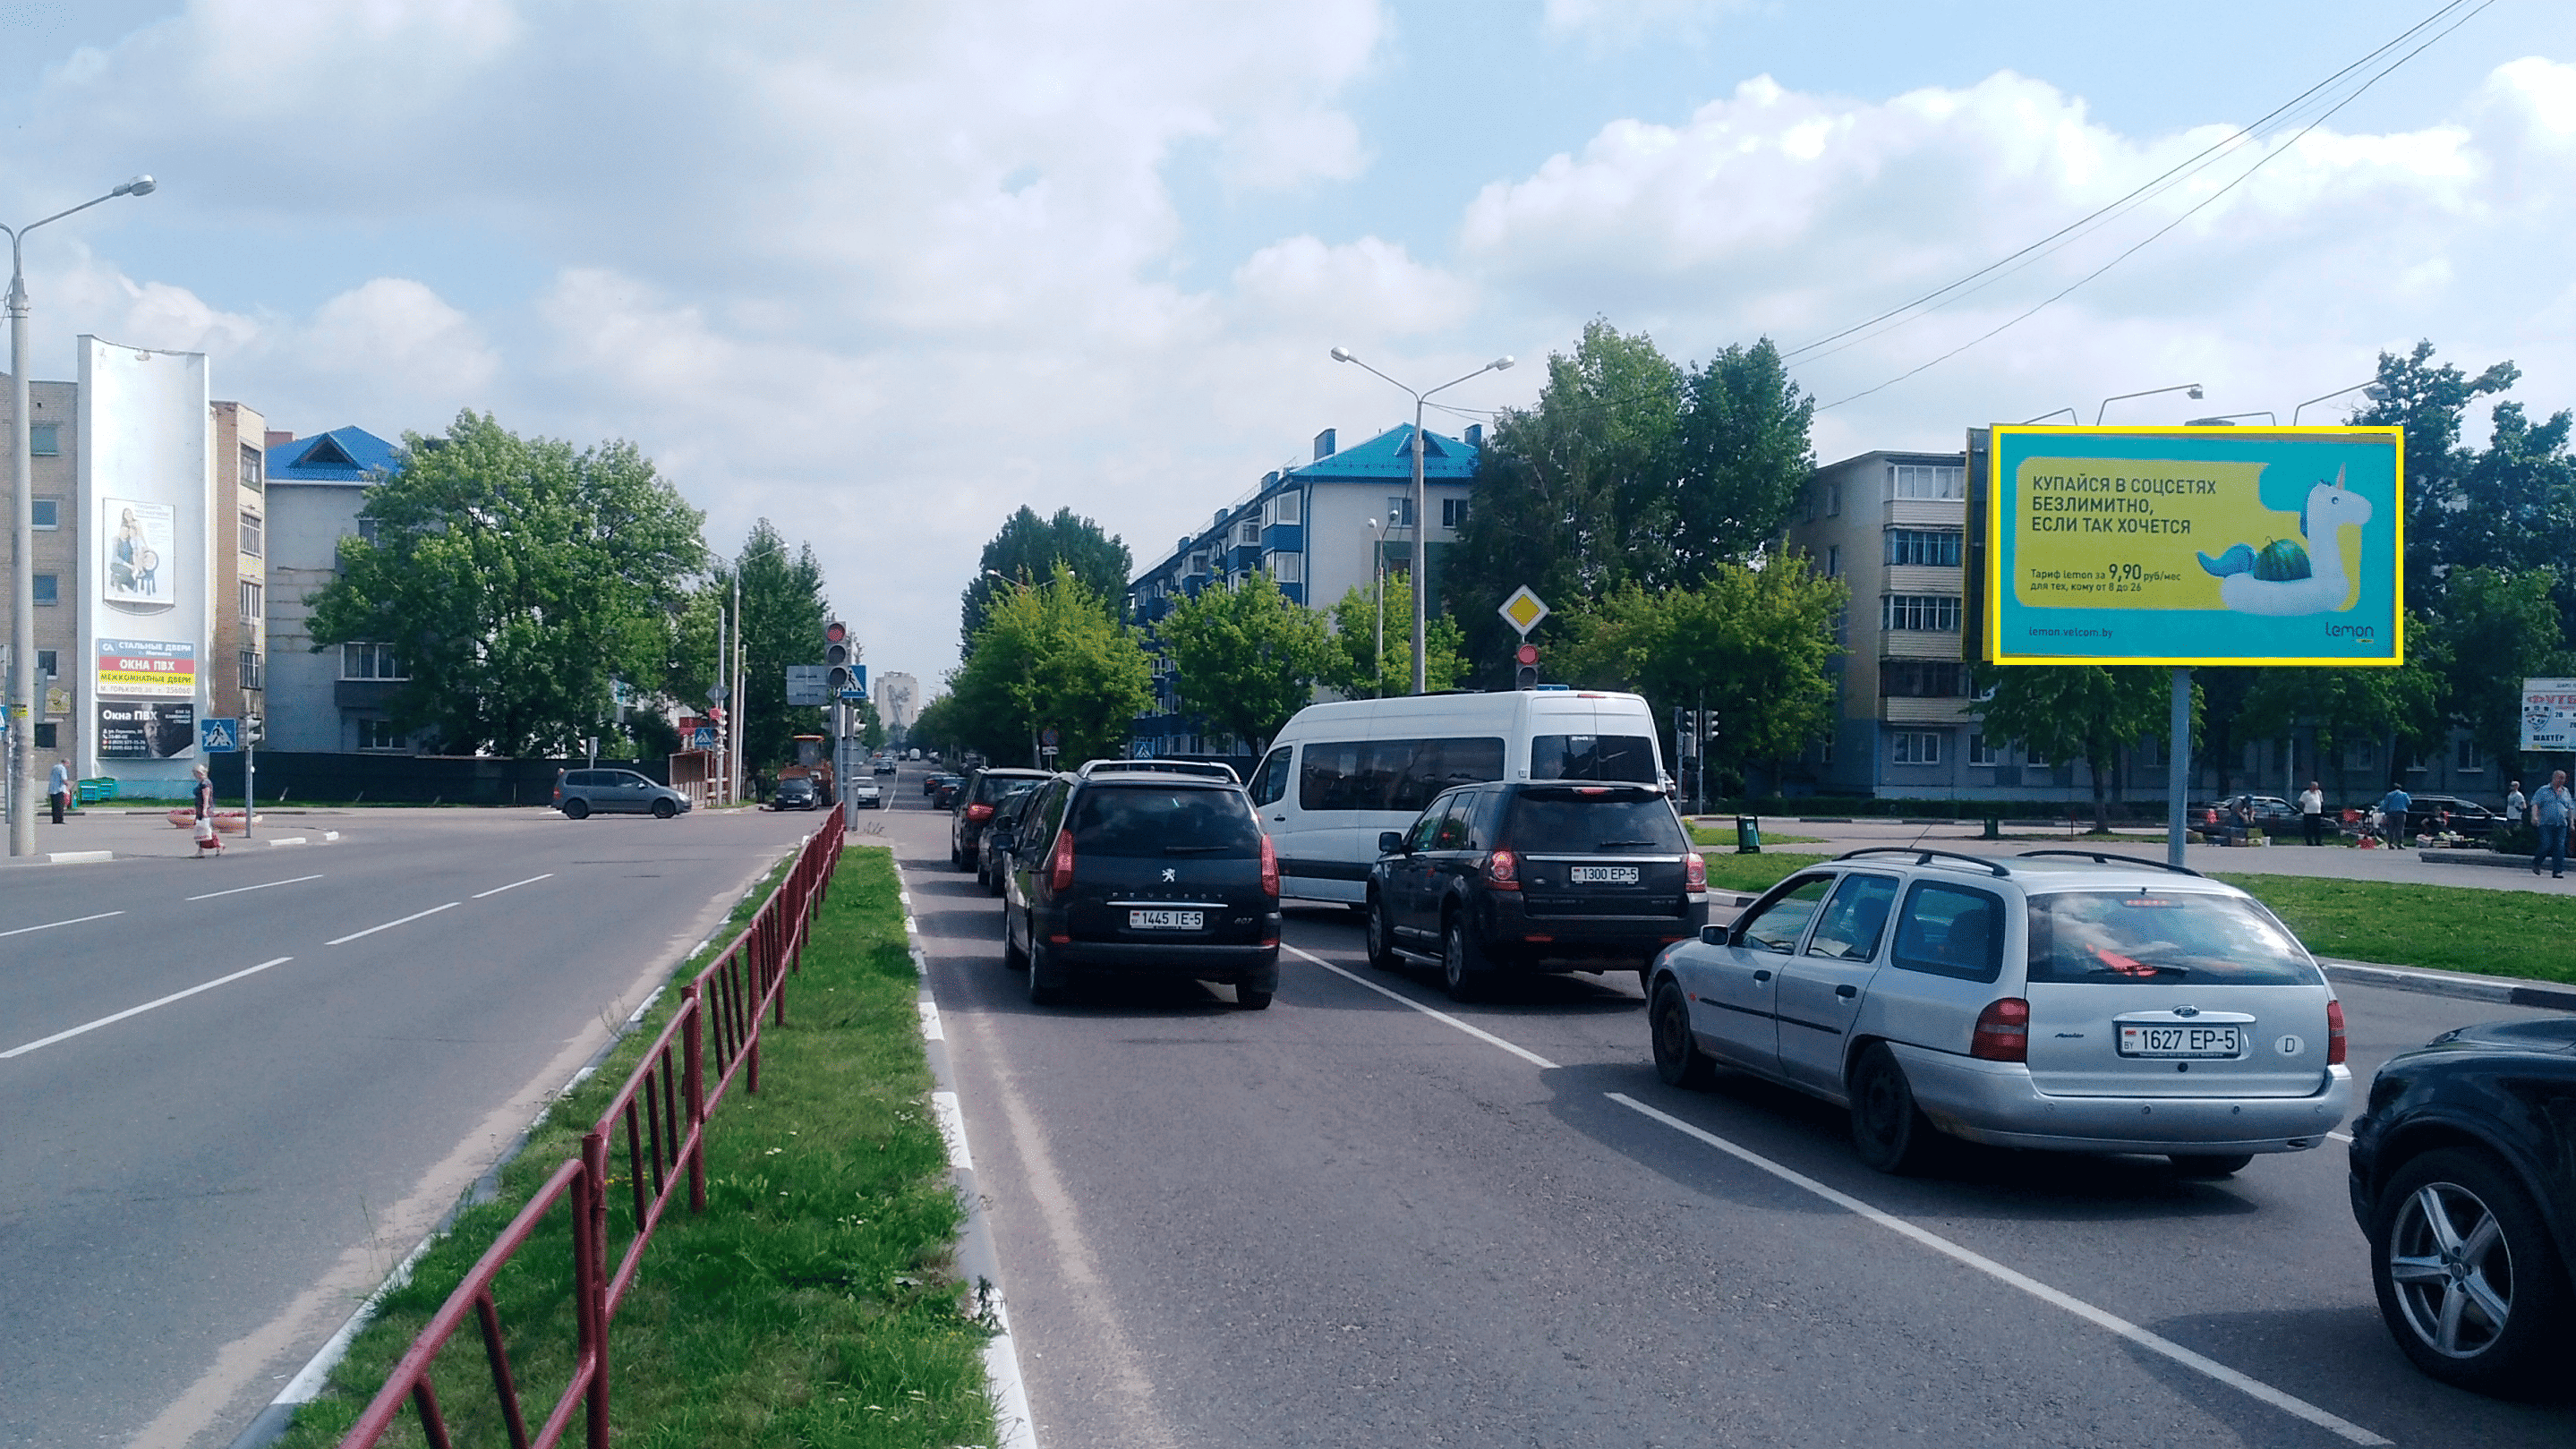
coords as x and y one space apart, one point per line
2178 766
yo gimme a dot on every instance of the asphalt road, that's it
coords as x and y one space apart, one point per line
194 1196
1347 1220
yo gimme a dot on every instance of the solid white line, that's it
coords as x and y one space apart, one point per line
1479 1033
389 925
49 925
514 885
2153 1342
930 1030
237 890
19 1051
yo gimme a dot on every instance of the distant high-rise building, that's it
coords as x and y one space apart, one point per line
898 700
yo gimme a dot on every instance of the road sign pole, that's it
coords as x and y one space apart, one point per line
250 782
2178 766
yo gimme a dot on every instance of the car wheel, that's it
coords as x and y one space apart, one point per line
2209 1164
1462 962
1013 958
1888 1131
1251 1000
983 873
1381 937
664 809
576 809
1046 988
2467 1278
1678 1059
993 878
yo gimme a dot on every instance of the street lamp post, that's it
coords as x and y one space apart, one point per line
22 593
2370 389
1378 554
2192 388
1421 503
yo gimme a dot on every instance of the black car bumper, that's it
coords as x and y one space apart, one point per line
1255 966
1515 937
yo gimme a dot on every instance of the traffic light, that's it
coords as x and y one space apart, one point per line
836 656
254 729
1527 656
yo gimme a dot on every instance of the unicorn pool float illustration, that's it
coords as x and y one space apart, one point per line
2294 576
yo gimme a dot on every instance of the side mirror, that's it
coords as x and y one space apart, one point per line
1714 935
1390 842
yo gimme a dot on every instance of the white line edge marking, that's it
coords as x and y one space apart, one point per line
2156 1343
389 925
49 925
514 885
19 1051
264 885
2340 1136
1479 1033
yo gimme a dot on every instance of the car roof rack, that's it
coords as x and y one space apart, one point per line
1205 769
2098 858
1924 854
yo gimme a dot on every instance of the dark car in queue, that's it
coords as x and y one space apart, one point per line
937 780
1519 877
796 792
2428 813
2463 1177
1000 838
944 791
975 800
1142 875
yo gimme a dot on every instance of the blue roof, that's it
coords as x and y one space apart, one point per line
1390 455
347 455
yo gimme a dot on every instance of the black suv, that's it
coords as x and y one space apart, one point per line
2464 1179
1001 835
1138 873
1534 876
974 802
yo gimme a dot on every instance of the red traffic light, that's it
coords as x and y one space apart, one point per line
1528 654
835 631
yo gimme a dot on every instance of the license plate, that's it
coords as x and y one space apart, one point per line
1605 875
1166 920
2181 1041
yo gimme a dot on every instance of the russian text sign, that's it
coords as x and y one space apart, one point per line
2549 715
2199 545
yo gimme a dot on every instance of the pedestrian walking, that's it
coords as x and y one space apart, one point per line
2392 813
207 839
2551 807
2312 813
2514 804
58 787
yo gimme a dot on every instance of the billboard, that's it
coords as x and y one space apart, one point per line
2549 715
2206 545
147 588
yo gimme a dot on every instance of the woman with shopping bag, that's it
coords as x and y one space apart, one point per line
207 839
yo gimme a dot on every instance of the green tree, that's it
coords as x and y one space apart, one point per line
1351 665
2078 712
1751 644
2400 707
872 726
517 579
1244 658
1741 459
938 726
783 613
1049 655
1027 551
2430 400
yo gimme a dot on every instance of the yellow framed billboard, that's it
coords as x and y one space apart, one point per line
2194 545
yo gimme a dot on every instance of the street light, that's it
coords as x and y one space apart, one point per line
2192 388
1379 555
2228 420
2073 418
22 591
733 665
1421 502
2370 389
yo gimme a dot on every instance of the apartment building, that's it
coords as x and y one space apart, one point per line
327 700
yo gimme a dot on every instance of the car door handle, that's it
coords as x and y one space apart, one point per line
1846 992
1761 975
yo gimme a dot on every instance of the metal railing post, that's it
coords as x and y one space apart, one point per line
590 1280
694 1053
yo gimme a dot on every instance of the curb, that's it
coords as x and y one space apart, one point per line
79 857
2447 856
2504 991
978 1260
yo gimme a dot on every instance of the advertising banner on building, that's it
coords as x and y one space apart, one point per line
147 669
141 561
2549 715
145 730
146 483
2206 545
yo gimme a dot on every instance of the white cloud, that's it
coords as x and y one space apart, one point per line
1367 288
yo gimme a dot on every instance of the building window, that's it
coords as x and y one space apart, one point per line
1983 753
370 661
49 589
2149 755
1833 560
1914 747
2035 760
1291 507
250 670
2359 756
254 537
1399 512
1931 613
1247 534
1924 480
1922 679
254 599
368 532
47 666
254 470
1833 500
1453 513
378 734
1923 547
1288 568
45 440
47 735
2467 760
1198 562
49 513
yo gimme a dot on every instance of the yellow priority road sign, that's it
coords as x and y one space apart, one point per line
1523 610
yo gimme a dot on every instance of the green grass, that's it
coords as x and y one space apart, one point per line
1730 872
1725 835
2444 928
811 1304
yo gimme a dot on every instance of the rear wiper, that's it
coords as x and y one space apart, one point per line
1193 849
1608 844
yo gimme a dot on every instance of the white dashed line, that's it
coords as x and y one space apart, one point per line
389 925
49 925
42 1042
514 885
264 885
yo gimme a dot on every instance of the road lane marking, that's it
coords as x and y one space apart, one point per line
2153 1342
19 1051
1479 1033
514 885
389 925
49 925
237 890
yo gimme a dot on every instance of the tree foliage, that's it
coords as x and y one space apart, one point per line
1027 551
783 613
516 579
1048 655
1245 658
1351 665
2078 712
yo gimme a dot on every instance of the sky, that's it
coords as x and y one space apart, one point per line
884 272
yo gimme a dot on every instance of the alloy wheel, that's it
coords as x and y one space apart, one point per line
2452 1269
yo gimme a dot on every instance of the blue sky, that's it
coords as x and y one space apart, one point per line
884 272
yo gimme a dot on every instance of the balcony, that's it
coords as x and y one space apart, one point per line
1918 644
1927 513
1903 710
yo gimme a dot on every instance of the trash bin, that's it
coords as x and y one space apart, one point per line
1748 835
1994 828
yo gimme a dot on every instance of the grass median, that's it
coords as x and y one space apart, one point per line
812 1303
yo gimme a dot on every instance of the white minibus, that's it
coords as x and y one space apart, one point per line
1340 773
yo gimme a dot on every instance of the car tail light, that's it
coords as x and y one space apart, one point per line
1269 867
978 814
2003 1032
1060 865
1694 871
2334 1034
1503 871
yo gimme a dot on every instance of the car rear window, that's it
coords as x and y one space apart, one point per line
992 788
1593 757
1577 819
1144 820
2134 937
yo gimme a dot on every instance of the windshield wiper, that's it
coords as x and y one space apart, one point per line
1193 849
1612 844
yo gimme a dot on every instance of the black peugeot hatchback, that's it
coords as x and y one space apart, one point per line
1126 870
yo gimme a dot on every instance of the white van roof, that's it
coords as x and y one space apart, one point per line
1498 706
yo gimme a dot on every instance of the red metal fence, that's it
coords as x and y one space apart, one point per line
660 1118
